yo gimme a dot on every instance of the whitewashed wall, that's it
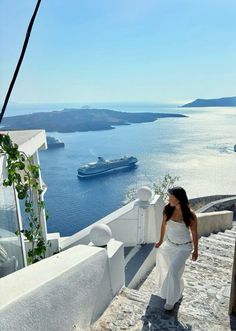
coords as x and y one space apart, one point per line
214 222
130 224
154 220
59 292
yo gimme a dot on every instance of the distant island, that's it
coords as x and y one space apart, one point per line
222 102
72 120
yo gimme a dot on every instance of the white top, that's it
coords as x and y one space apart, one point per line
178 232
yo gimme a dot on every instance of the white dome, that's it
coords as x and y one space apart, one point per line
144 194
100 234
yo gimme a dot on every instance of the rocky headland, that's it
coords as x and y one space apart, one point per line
221 102
72 120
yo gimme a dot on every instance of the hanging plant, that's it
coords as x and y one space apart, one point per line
24 175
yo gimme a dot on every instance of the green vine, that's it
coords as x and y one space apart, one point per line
24 175
160 188
165 183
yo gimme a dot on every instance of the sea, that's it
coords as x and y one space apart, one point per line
198 148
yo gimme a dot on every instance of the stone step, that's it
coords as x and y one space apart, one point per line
143 309
225 235
217 242
205 302
220 236
209 260
194 274
207 268
192 269
201 276
139 311
135 295
210 256
233 231
220 244
215 250
124 312
149 282
233 226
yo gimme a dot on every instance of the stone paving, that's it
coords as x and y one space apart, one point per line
204 306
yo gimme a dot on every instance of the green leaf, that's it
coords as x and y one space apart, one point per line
21 195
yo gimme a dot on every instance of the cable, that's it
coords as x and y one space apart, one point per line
27 36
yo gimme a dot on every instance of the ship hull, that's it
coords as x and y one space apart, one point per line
106 171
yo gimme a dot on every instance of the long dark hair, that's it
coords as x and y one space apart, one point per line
180 194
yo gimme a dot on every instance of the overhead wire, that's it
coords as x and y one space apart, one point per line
24 47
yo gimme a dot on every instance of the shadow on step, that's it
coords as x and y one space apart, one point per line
158 319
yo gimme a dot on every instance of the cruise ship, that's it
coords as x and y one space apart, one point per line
106 166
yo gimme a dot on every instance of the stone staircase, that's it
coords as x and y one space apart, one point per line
204 306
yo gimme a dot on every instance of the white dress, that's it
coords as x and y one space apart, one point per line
170 261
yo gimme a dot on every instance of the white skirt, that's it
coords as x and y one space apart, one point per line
170 263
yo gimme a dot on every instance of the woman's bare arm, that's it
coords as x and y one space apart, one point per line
163 231
193 228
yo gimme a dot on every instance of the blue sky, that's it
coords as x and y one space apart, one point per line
119 50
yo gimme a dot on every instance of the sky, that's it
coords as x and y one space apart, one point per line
164 51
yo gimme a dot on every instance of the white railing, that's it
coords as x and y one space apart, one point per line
133 224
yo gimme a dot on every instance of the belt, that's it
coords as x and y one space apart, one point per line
188 242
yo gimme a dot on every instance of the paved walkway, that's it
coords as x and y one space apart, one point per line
204 306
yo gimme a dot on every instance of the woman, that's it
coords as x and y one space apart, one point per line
180 226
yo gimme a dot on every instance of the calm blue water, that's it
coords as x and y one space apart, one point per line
199 149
